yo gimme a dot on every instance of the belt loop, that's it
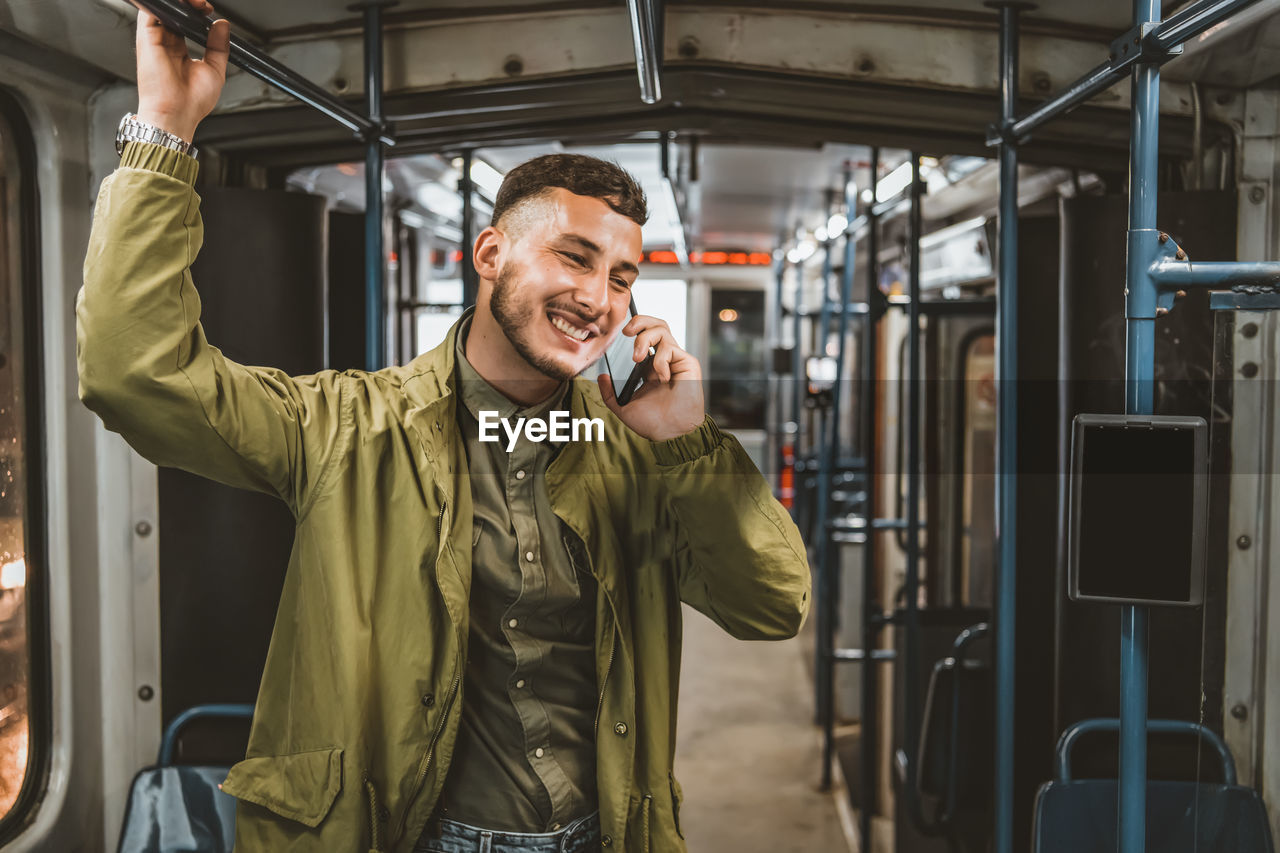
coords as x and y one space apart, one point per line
486 841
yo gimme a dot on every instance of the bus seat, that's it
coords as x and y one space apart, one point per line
1080 815
957 735
179 808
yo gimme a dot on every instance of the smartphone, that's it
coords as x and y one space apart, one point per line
626 374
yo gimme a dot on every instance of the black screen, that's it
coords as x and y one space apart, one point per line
1137 511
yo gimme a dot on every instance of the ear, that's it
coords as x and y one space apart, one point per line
486 254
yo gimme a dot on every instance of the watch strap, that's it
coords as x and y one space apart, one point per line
134 130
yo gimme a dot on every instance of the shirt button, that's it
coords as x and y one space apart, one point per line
539 752
428 699
520 683
620 728
511 623
606 841
528 555
520 475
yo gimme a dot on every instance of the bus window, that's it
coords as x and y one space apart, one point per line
16 510
737 359
978 499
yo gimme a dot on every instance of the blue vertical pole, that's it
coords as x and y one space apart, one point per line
797 360
870 607
833 457
1006 439
1139 372
824 673
374 251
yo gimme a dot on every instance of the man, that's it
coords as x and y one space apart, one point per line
478 643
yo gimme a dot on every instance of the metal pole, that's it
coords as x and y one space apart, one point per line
375 349
1006 440
1139 369
646 38
870 611
466 188
1156 46
833 453
823 665
182 19
911 616
797 363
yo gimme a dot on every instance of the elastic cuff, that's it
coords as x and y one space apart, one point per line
690 446
157 158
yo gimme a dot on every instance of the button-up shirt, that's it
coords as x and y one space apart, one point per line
525 759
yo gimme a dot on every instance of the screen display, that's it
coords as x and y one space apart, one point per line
1137 513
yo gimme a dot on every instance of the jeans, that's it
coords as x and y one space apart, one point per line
451 836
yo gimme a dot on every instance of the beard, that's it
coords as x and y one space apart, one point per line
516 318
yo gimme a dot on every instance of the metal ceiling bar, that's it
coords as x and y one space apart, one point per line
1154 43
646 28
179 17
1006 438
1191 21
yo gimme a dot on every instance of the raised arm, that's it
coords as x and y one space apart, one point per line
144 364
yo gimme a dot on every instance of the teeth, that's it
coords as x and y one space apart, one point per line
571 331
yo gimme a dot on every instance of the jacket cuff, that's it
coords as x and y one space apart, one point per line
157 158
690 446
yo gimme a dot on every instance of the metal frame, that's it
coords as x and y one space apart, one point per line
1155 269
376 132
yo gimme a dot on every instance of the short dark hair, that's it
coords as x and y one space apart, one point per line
580 175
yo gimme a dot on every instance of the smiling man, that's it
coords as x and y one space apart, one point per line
477 646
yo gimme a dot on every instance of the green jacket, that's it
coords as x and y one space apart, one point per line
359 703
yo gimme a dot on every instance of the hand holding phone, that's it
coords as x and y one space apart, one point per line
627 375
664 389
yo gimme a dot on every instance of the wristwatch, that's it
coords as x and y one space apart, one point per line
134 130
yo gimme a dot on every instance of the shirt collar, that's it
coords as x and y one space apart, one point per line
477 394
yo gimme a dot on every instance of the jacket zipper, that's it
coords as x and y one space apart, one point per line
613 645
431 749
444 719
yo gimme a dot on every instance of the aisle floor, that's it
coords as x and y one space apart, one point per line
748 755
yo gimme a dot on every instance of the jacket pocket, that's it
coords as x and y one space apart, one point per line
677 797
300 786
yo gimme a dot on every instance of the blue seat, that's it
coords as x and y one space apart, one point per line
179 808
1080 815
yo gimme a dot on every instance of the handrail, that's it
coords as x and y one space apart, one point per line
178 16
1112 724
1156 44
1006 481
963 640
169 740
870 627
646 37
